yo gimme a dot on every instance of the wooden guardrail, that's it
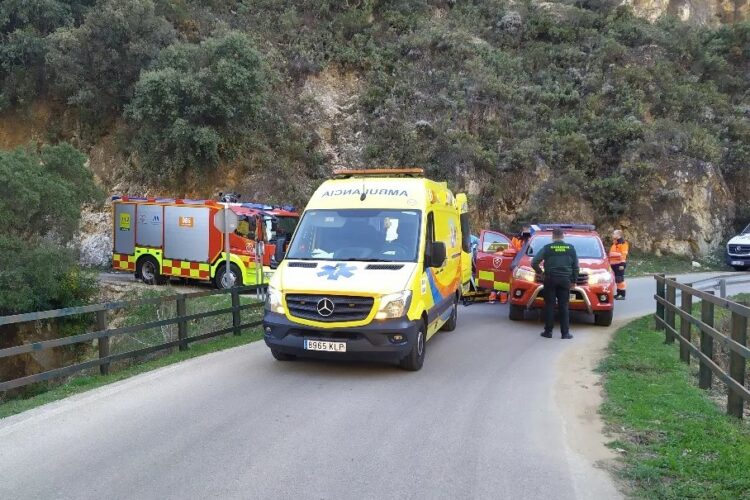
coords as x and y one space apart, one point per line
103 333
667 311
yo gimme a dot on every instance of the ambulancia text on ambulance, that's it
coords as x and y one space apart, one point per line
374 269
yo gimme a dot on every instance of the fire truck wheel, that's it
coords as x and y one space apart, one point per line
516 313
450 325
220 280
148 269
603 318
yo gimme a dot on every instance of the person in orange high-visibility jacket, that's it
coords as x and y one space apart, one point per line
518 241
620 246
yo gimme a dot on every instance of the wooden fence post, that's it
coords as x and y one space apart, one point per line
660 292
236 320
669 313
101 325
686 304
705 377
182 327
735 404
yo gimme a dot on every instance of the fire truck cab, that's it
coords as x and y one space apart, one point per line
160 238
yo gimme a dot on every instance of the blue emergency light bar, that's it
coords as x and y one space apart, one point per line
263 206
572 227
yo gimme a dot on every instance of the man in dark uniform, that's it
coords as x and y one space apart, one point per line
560 273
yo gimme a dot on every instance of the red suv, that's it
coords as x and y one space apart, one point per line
593 292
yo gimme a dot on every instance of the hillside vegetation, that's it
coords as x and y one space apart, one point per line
563 110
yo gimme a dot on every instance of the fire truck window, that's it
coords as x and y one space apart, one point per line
246 227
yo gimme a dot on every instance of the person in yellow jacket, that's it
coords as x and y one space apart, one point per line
620 246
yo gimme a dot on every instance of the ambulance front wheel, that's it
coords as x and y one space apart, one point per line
147 269
415 359
223 280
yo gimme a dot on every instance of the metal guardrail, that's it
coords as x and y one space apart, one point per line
667 311
721 283
103 333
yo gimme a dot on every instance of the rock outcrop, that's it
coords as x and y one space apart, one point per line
702 12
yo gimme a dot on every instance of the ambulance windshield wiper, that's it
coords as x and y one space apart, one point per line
354 259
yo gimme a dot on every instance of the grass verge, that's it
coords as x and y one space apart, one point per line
642 264
674 441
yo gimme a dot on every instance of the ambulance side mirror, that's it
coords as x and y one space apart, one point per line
510 252
437 254
616 256
279 253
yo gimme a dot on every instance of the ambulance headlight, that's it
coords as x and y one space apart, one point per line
598 276
273 301
525 274
394 305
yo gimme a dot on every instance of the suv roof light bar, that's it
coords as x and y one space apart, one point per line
379 172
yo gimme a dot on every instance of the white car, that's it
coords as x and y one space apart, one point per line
738 250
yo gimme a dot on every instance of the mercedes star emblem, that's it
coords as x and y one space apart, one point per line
325 307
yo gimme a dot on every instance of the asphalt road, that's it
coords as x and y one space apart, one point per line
480 420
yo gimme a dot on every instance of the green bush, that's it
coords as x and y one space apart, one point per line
96 64
40 200
24 26
195 102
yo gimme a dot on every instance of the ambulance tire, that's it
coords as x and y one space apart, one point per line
147 268
450 325
516 313
221 271
415 359
603 318
282 356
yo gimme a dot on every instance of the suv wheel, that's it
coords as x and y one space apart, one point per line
516 313
603 318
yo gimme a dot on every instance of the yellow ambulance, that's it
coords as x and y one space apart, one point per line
376 267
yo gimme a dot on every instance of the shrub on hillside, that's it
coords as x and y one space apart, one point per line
24 26
96 64
40 201
195 103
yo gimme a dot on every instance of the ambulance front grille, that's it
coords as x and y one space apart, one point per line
306 265
345 308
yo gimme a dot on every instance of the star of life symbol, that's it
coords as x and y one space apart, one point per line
337 271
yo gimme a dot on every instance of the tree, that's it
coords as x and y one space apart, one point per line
194 102
96 64
40 201
24 26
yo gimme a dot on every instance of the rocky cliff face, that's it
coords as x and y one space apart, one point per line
702 12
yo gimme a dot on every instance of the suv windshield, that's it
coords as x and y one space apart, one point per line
746 230
357 234
587 247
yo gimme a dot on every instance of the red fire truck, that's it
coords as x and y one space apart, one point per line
159 238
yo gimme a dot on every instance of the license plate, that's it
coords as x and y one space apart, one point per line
738 262
323 345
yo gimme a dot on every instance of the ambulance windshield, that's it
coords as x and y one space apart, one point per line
587 247
370 235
